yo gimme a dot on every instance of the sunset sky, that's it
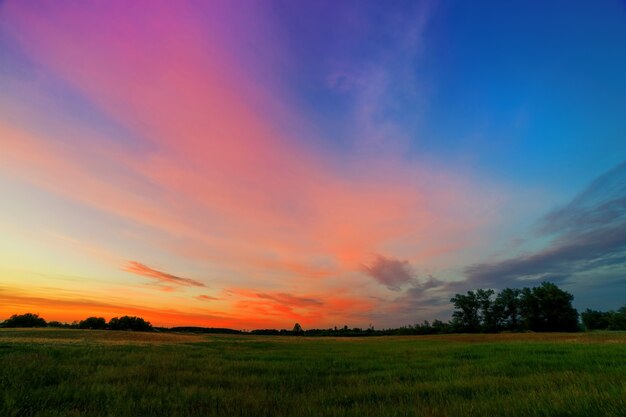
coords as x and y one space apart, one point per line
252 164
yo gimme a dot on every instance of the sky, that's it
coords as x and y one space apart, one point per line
253 164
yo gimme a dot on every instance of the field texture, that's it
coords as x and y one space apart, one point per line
105 373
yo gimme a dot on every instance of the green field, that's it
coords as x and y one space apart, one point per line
105 373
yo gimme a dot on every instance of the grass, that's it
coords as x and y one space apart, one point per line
102 373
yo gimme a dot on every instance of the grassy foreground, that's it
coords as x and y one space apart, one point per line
105 373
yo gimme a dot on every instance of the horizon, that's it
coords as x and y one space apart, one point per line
327 164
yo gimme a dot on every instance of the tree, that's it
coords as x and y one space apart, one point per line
439 326
618 319
604 320
466 315
475 312
25 320
595 320
488 314
529 310
297 329
547 308
95 323
129 323
58 324
507 305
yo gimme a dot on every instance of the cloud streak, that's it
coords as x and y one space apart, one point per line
204 297
160 276
320 309
588 233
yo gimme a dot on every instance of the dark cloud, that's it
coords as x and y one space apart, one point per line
428 293
422 299
392 273
587 234
204 297
161 277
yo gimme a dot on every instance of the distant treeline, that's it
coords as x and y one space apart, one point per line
192 329
604 320
93 323
545 308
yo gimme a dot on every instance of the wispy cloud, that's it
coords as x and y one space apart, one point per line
588 233
160 276
426 298
279 297
601 204
320 309
289 299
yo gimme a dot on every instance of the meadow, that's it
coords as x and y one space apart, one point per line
49 372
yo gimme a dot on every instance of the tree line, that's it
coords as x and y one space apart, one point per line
93 323
545 308
604 320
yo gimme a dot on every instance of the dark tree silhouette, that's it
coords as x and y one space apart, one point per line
488 314
58 324
508 306
466 315
475 312
95 323
547 308
604 320
618 320
129 323
25 320
297 329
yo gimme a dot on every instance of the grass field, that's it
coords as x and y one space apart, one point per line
104 373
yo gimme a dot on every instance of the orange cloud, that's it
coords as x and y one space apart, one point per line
278 297
323 309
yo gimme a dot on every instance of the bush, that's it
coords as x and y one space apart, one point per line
129 323
604 320
25 320
58 324
95 323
